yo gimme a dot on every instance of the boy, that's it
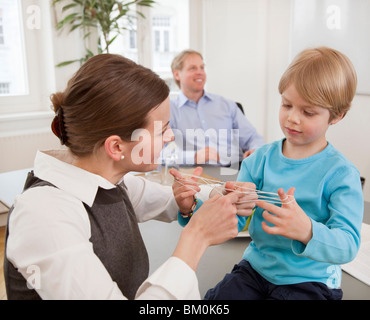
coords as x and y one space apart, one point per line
297 248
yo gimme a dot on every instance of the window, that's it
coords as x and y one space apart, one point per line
162 29
126 43
1 28
27 66
170 29
13 76
4 88
133 39
166 26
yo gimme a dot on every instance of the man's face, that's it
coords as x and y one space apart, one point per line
192 77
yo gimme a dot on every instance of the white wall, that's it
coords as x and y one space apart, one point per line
246 44
246 49
234 48
20 138
351 136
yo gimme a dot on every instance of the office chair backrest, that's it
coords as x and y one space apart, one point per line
240 106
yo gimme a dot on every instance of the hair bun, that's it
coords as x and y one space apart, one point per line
57 125
57 99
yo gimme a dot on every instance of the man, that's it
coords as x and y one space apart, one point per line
208 128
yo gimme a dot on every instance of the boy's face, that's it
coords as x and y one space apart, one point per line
303 124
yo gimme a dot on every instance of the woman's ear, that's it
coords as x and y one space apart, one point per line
115 148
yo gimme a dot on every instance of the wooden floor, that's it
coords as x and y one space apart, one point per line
2 282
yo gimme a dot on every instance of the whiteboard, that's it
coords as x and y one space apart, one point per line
340 24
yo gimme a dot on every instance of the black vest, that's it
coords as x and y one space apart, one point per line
116 240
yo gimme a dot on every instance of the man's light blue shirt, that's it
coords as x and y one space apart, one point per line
215 122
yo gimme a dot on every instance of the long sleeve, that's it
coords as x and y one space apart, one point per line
249 138
146 194
244 176
173 280
337 240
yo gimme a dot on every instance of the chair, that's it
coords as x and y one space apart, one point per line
240 106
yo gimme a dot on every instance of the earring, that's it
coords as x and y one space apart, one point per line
122 157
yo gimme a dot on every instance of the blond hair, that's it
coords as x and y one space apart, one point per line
323 77
178 61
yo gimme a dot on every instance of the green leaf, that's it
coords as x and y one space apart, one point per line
67 20
66 63
102 14
69 6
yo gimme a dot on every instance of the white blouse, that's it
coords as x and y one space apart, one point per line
49 232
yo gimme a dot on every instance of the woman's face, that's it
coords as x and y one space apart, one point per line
148 142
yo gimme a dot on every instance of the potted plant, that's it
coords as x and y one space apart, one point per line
104 15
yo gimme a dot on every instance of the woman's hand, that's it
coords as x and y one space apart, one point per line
216 219
248 199
184 189
289 220
214 222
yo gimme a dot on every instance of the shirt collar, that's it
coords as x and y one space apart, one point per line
207 95
182 99
56 167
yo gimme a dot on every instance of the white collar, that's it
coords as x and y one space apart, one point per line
56 167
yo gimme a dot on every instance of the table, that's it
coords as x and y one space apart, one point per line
11 185
161 239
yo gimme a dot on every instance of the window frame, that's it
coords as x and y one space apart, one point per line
146 38
39 63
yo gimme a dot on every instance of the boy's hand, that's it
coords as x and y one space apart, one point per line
289 220
185 189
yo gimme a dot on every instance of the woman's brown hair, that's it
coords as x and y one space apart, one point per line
109 95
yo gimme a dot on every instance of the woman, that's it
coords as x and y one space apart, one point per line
73 233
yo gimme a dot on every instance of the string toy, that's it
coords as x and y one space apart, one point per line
269 197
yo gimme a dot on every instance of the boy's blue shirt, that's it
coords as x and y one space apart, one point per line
328 189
